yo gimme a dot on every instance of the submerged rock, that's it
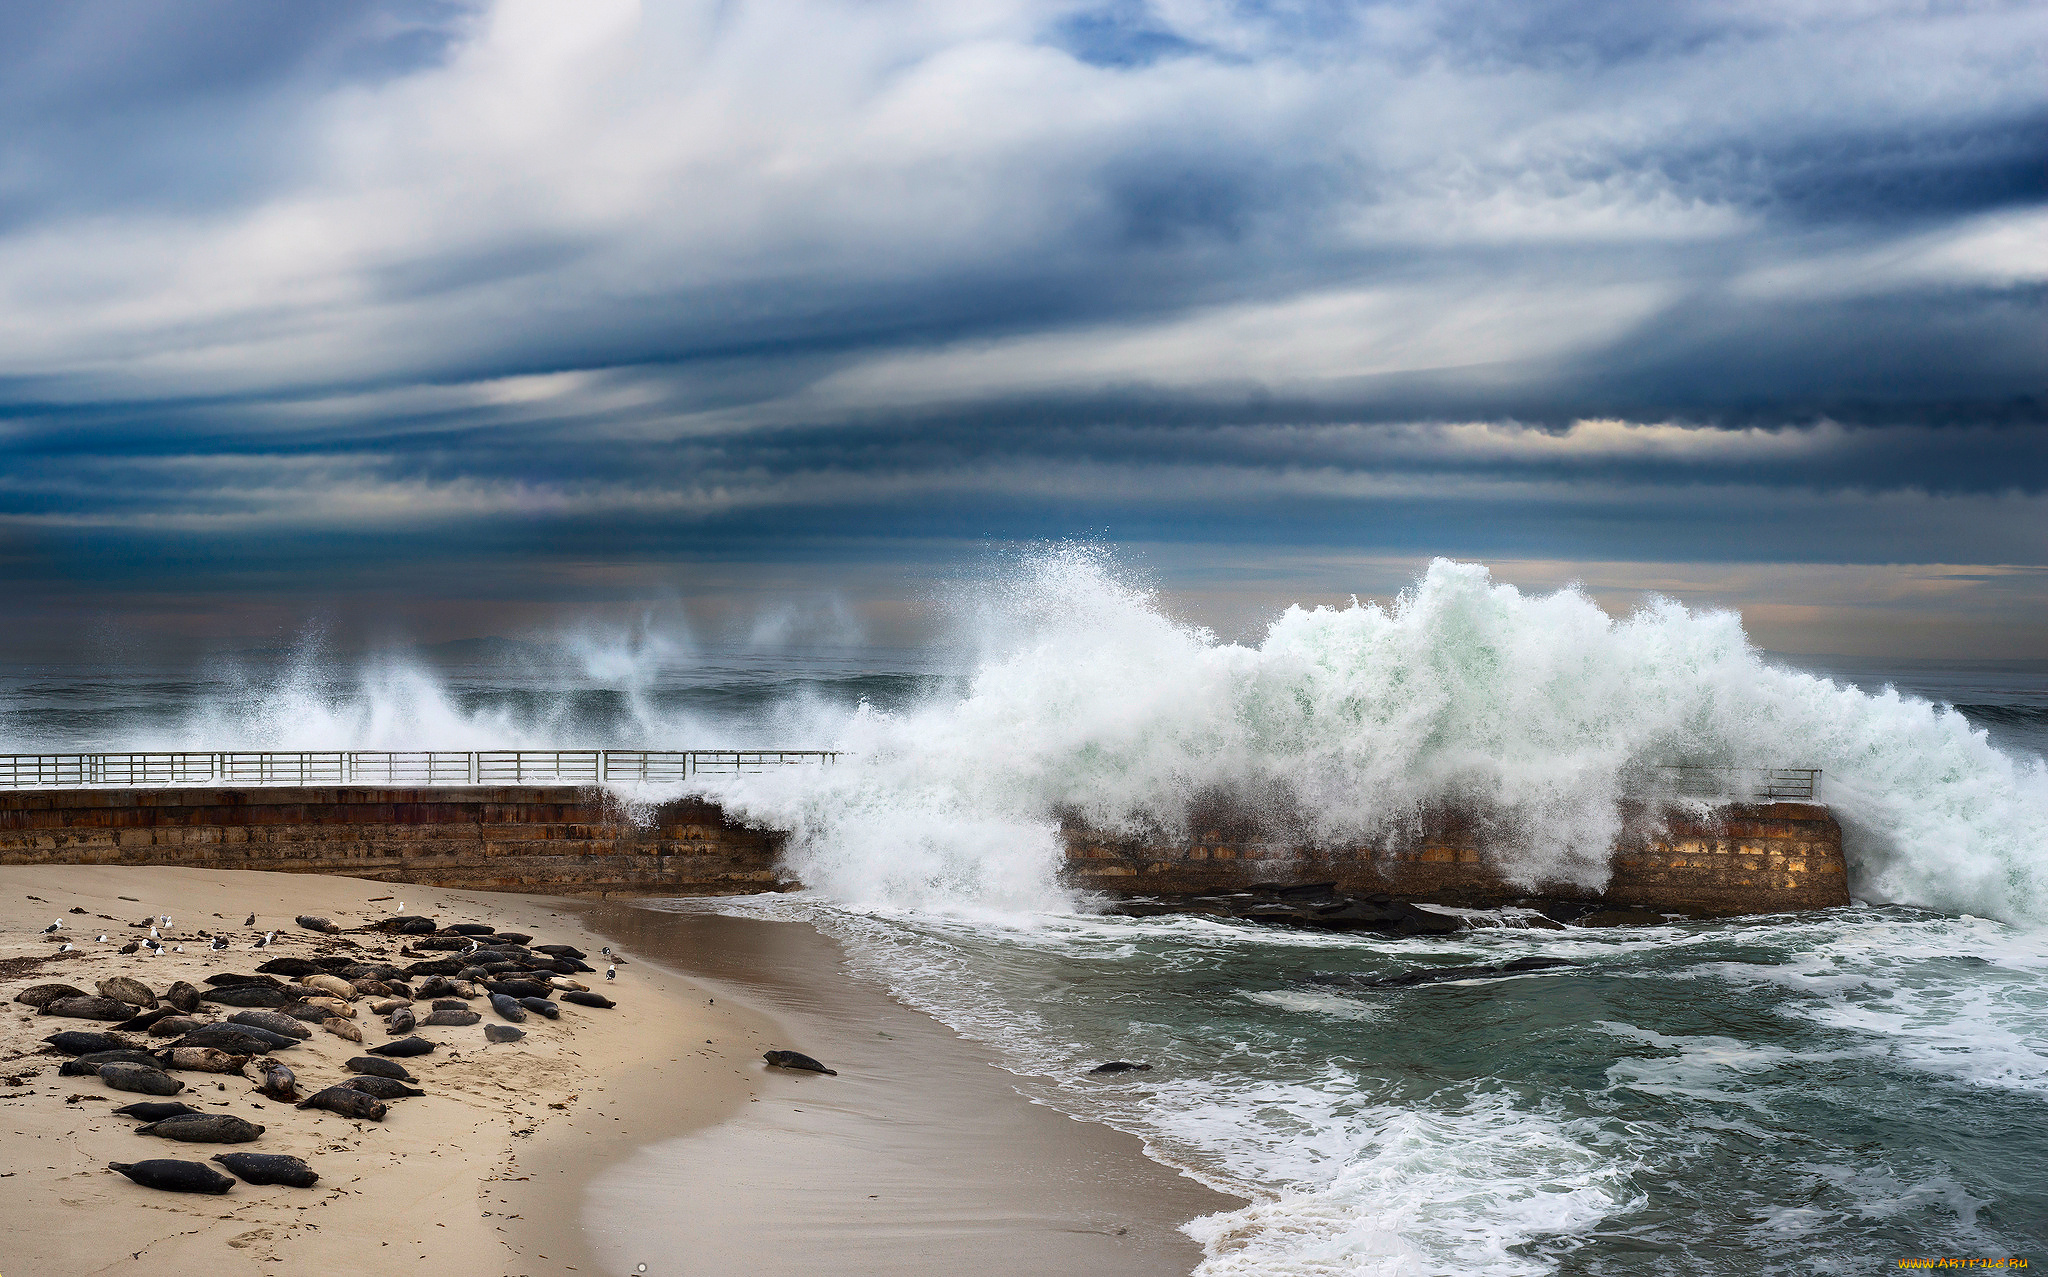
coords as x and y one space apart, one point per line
1435 975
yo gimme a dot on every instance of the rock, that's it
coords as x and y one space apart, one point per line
140 1078
42 995
183 996
173 1176
312 922
501 1032
269 1168
89 1008
275 1021
1121 1066
203 1128
798 1061
128 991
1434 975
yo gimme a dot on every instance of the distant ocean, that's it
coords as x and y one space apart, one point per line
1821 1093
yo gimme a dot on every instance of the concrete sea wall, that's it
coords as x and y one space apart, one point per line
555 839
1760 858
567 840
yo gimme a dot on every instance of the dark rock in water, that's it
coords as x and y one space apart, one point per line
230 979
455 1018
347 1102
799 1061
313 922
1121 1066
560 951
183 996
1319 905
502 1033
80 1042
1434 975
248 995
274 1021
142 1022
384 1088
1624 918
408 925
508 1007
154 1110
289 968
141 1079
203 1128
42 995
542 1007
405 1047
585 998
89 1063
89 1008
378 1068
269 1168
174 1176
470 928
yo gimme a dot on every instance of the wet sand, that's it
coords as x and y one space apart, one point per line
919 1158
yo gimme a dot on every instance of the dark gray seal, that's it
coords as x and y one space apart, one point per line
269 1168
274 1021
242 1039
1121 1066
585 998
89 1008
90 1062
183 996
346 1101
279 1083
312 922
289 968
203 1128
81 1042
402 1020
799 1061
173 1176
154 1110
470 928
142 1023
405 1047
375 1067
502 1033
519 988
140 1078
384 1088
453 1018
41 995
247 995
542 1007
508 1007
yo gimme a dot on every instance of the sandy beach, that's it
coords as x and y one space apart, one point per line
602 1140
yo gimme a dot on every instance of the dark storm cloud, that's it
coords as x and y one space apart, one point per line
335 290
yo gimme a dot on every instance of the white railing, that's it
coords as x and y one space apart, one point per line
1755 784
387 767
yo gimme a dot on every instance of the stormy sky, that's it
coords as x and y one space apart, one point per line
447 319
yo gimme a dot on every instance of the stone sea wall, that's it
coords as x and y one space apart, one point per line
558 840
1760 858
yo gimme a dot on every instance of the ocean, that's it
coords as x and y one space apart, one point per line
1825 1092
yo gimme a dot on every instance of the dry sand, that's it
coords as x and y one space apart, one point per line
424 1190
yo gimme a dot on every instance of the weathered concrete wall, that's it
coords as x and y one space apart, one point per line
553 839
1747 859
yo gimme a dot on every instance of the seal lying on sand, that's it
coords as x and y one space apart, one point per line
80 1042
275 1021
799 1061
404 1047
280 1083
174 1176
346 1101
378 1068
502 1033
41 995
203 1128
384 1088
155 1110
269 1168
584 998
140 1078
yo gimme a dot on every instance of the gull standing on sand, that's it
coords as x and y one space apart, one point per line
611 972
66 948
249 921
220 942
152 931
53 926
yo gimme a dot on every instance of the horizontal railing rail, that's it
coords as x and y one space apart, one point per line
1758 784
161 769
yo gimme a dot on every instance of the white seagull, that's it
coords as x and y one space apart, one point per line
53 926
611 973
103 937
152 931
66 948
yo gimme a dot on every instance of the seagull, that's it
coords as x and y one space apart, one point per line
250 921
53 926
103 937
66 948
611 973
181 949
152 931
606 951
167 922
220 942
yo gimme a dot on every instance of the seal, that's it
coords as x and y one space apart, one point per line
143 1022
342 1029
1121 1066
405 1047
331 985
798 1061
154 1110
454 1017
122 989
274 1021
89 1064
334 1007
279 1083
585 998
508 1007
183 996
375 1067
313 922
384 1088
289 968
41 995
202 1059
80 1042
408 925
502 1033
203 1128
140 1078
519 988
88 1008
269 1168
247 995
173 1176
346 1101
172 1026
243 1039
470 928
542 1007
401 1021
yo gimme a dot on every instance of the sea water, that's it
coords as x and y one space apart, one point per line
1826 1092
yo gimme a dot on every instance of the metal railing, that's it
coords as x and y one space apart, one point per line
386 767
1754 784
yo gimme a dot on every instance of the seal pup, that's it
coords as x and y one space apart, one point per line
173 1176
502 1033
269 1168
798 1061
203 1128
346 1101
375 1067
